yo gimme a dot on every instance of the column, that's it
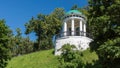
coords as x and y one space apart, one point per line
65 29
84 29
72 28
81 28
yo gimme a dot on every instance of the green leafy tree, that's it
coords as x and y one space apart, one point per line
45 26
70 57
20 45
110 50
4 47
74 7
104 17
27 45
84 10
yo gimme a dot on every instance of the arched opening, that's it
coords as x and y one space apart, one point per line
77 27
77 31
69 32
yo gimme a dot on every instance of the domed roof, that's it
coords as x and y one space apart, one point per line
73 12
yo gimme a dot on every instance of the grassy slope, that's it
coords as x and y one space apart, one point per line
44 59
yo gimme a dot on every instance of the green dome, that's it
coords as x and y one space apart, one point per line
73 12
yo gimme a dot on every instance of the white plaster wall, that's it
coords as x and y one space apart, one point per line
81 42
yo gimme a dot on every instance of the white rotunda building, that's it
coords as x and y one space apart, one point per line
73 32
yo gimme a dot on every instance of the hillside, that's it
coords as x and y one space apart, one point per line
44 59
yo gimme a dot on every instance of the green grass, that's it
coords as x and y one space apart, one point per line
44 59
41 59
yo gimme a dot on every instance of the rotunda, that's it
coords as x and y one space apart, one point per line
73 32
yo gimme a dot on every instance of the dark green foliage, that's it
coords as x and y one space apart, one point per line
4 47
84 10
20 45
70 58
110 53
104 17
74 7
45 26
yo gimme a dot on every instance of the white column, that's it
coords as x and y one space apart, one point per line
72 26
81 27
65 29
84 29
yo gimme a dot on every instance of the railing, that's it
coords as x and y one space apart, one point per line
69 33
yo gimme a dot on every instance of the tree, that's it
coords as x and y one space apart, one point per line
70 57
104 25
74 7
4 47
20 45
27 45
84 10
45 26
110 50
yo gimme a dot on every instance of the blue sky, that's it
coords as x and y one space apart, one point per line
17 12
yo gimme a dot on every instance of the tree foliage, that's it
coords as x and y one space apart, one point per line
109 52
4 47
84 10
20 45
70 58
45 26
104 17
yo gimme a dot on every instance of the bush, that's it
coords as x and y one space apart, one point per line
70 58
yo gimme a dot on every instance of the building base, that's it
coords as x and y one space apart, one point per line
81 42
